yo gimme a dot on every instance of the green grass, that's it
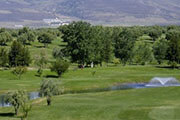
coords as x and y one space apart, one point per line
137 104
77 80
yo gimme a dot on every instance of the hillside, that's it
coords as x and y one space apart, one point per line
114 12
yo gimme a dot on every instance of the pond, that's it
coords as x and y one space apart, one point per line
32 96
154 83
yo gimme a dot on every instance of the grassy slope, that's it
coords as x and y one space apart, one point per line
83 79
142 104
137 104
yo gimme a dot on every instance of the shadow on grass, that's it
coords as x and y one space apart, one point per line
39 46
167 67
62 45
51 76
6 114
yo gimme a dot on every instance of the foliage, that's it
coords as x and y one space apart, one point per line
48 89
26 108
57 53
155 32
19 71
26 36
160 49
78 38
87 44
107 45
60 67
45 38
41 61
173 54
3 57
16 99
123 45
23 39
116 61
19 55
5 37
142 53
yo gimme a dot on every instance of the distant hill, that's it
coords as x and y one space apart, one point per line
108 12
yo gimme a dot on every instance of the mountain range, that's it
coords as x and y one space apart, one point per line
106 12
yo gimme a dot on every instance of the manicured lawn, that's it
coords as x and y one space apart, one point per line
77 80
136 104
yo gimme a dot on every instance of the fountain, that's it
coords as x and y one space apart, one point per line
158 82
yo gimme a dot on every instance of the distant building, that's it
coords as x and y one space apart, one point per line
18 26
55 22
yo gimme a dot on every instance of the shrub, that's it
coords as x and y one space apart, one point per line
48 89
59 66
19 71
16 99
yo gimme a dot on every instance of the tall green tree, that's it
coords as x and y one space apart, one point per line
160 48
58 53
45 38
23 38
142 52
124 44
107 45
3 57
78 38
26 36
5 37
155 32
41 61
173 54
19 55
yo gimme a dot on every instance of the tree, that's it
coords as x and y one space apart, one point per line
19 71
124 44
107 46
23 30
155 32
26 108
173 54
59 66
160 49
19 55
31 36
79 39
142 52
41 61
23 38
26 35
16 99
45 38
57 53
48 89
5 37
3 57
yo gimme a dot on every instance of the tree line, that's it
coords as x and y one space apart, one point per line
87 44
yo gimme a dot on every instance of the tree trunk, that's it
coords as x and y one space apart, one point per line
16 111
48 101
